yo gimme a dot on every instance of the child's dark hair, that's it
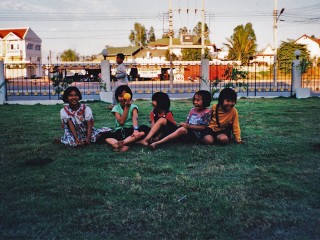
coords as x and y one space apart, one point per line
206 97
68 91
120 89
227 93
120 55
162 99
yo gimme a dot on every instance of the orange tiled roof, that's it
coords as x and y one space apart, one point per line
19 32
317 40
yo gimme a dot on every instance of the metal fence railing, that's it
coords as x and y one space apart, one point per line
311 78
253 78
250 80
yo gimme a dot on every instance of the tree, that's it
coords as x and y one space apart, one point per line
151 35
197 31
183 30
69 56
285 54
174 56
194 54
242 44
90 57
138 36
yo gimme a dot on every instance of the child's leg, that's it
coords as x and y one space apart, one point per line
114 142
132 138
222 139
155 128
207 136
179 132
118 146
208 139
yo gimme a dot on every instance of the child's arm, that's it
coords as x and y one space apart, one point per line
89 121
200 125
73 131
136 134
89 127
236 129
121 72
193 127
122 118
135 122
151 119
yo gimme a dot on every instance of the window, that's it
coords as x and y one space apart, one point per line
30 46
11 46
38 47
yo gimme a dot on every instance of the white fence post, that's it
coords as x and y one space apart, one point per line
2 84
105 94
205 82
297 78
296 75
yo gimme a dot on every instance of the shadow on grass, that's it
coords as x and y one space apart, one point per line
316 147
37 162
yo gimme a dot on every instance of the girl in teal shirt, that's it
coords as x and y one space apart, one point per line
127 129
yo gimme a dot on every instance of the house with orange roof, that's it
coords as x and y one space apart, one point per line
311 43
20 48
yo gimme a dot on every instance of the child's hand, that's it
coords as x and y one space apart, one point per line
183 124
87 141
135 134
128 103
78 142
240 141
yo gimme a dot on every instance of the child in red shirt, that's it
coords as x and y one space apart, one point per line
197 121
161 119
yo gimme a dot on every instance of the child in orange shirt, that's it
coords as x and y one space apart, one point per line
224 120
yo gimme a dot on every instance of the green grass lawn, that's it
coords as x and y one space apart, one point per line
267 188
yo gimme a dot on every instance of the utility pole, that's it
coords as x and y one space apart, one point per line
275 28
202 31
275 35
202 46
170 42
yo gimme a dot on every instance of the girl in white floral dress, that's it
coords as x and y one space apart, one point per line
77 121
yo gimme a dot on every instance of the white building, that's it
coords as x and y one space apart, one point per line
20 49
265 56
312 44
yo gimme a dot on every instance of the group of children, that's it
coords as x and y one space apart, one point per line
204 125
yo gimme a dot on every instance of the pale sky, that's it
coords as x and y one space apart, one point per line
87 26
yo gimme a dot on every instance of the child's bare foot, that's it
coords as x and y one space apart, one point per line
123 148
117 145
153 146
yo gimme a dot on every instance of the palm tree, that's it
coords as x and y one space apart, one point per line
242 44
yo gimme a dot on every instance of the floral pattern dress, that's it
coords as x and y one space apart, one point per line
79 119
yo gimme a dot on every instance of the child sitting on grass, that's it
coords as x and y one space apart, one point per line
224 120
197 121
77 121
127 129
161 119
